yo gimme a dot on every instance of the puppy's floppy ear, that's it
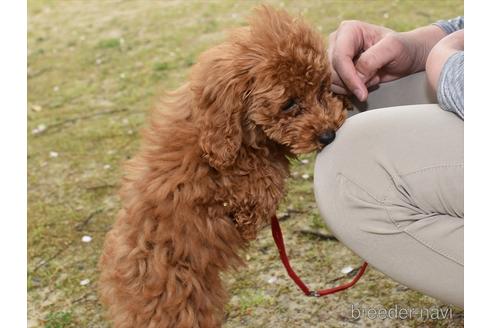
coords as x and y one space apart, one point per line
219 85
221 133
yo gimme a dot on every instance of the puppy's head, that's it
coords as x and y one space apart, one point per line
269 81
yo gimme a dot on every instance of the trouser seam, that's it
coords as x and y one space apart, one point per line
431 168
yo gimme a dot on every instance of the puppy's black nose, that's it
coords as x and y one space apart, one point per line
327 137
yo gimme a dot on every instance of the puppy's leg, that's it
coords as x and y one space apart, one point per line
165 274
251 215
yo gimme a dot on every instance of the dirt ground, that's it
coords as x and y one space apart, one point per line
94 69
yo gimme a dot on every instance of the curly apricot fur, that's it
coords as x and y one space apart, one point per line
211 170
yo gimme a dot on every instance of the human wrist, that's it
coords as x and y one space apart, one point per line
420 42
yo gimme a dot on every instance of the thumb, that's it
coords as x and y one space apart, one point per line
377 56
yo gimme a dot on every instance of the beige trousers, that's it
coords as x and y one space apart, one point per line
390 187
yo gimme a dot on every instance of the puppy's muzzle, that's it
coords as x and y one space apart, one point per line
327 137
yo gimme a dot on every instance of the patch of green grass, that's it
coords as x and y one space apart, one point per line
316 222
162 66
109 43
58 320
252 299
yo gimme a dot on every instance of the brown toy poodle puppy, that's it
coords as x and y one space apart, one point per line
211 171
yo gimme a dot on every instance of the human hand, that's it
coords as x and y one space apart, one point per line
363 55
440 53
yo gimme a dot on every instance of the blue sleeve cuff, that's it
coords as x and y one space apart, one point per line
451 25
450 88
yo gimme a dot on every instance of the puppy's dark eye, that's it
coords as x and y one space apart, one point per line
289 106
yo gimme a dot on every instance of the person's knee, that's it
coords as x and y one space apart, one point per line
351 175
346 158
350 154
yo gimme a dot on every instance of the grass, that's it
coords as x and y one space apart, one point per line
58 320
94 69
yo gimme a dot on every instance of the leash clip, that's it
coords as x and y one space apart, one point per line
314 293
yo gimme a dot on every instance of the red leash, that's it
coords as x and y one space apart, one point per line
279 241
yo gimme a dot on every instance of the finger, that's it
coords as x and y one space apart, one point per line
348 75
374 58
337 84
339 90
331 42
345 45
374 81
388 77
335 79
